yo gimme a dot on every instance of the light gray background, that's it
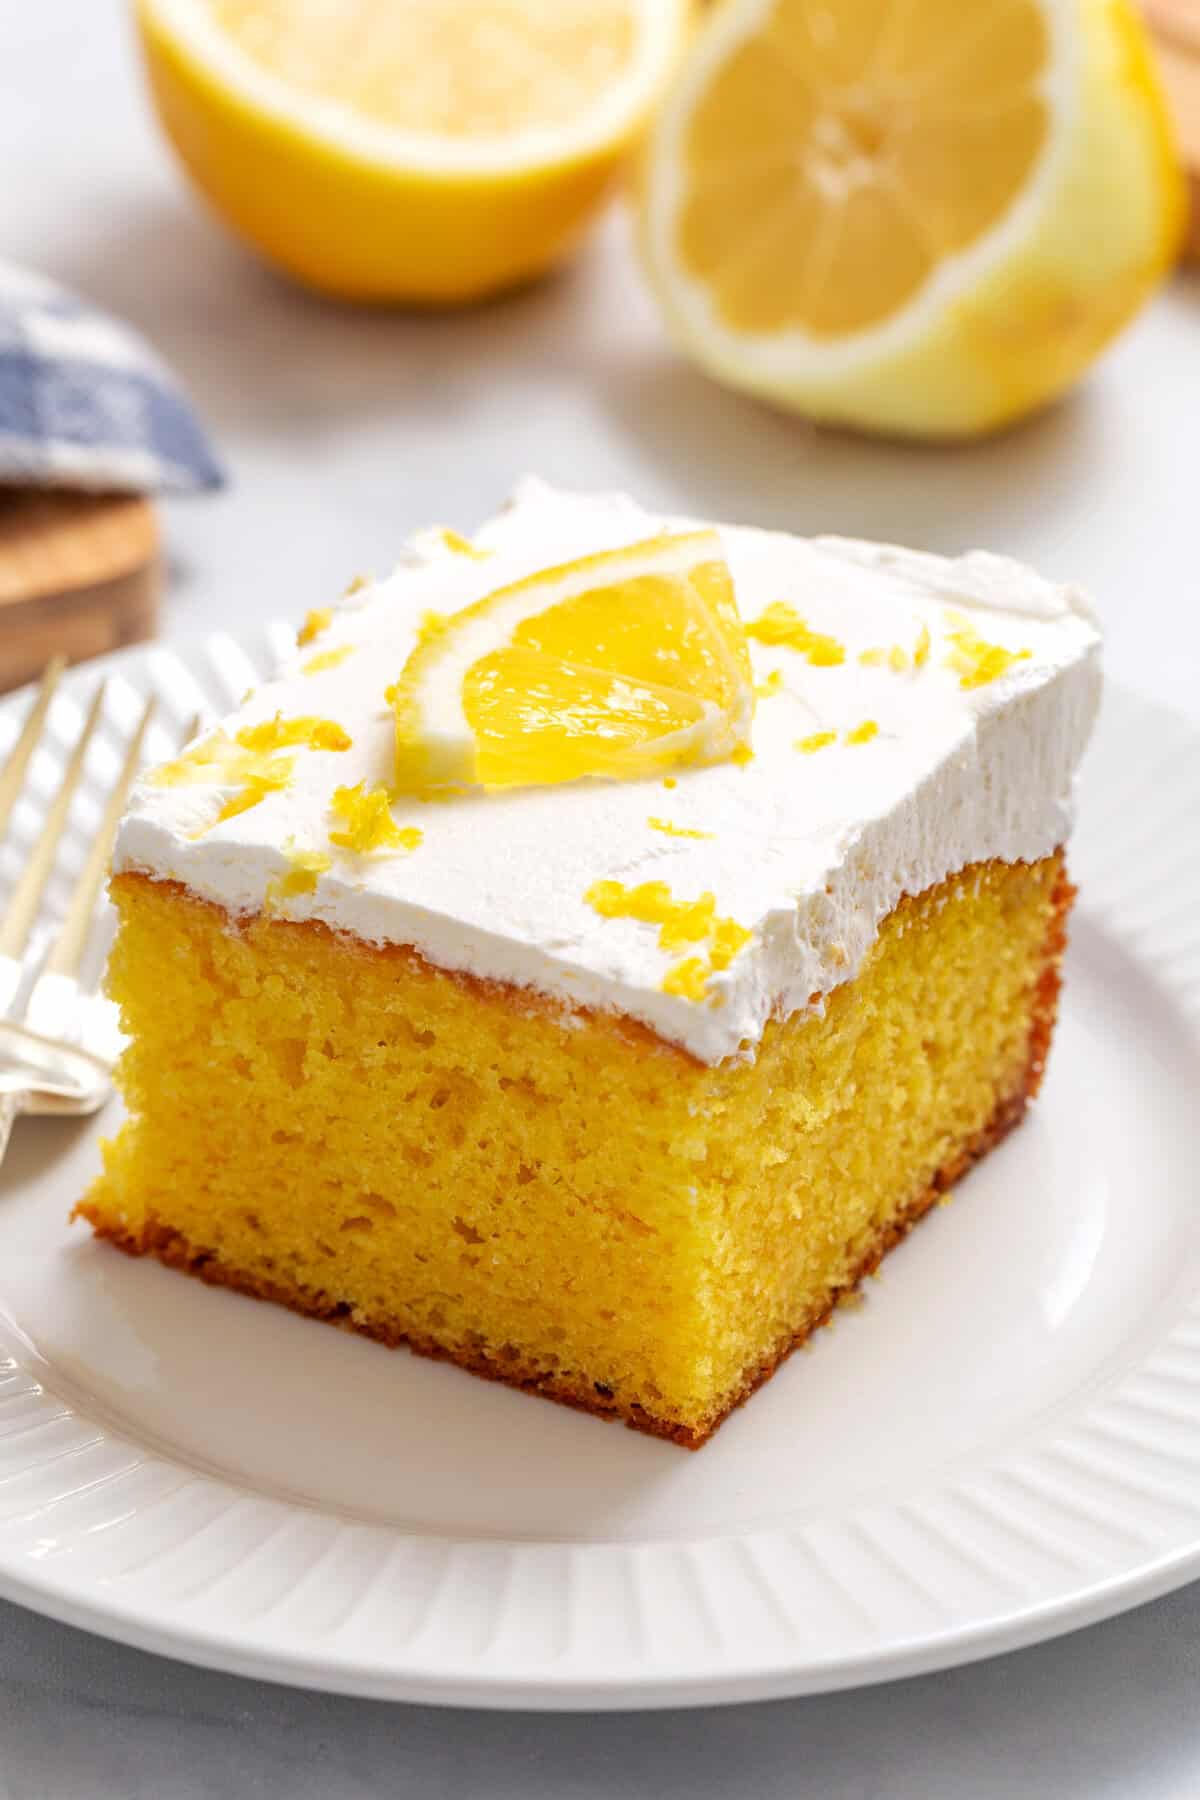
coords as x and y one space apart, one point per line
343 431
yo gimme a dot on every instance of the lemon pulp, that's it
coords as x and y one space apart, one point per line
867 141
425 151
452 68
912 216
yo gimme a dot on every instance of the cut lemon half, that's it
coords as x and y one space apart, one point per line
915 216
428 151
617 666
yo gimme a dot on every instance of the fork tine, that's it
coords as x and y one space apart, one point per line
13 773
67 952
22 908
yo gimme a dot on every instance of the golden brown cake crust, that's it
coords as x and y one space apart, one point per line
171 1248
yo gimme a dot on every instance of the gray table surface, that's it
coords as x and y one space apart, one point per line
343 431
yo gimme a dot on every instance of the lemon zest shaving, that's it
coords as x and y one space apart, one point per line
921 652
727 939
772 684
893 656
369 822
217 761
862 734
461 546
679 831
976 662
256 789
781 624
817 740
326 659
305 868
680 922
316 621
688 979
202 763
282 734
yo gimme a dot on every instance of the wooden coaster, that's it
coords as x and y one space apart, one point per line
79 574
1175 28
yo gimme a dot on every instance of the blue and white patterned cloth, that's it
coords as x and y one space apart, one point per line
84 401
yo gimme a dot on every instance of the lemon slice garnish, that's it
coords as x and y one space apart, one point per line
922 216
619 665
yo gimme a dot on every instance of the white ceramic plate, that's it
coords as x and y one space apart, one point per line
1002 1443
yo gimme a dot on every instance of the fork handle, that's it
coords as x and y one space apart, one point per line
10 1106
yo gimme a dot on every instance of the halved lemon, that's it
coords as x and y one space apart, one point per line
618 665
428 151
915 216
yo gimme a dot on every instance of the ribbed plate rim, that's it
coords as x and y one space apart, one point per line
1142 1437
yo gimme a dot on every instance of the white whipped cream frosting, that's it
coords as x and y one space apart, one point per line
809 851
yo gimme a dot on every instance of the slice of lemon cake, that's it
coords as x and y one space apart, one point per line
600 944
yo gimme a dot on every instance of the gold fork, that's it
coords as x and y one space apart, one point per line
58 1041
